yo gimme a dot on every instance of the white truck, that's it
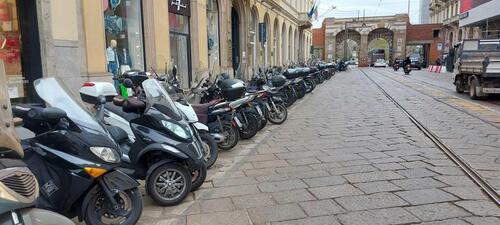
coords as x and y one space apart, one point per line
477 67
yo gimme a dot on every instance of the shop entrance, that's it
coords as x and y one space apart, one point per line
20 48
235 37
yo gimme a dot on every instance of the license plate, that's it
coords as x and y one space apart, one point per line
268 106
259 110
238 122
491 90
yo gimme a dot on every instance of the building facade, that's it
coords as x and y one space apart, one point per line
425 16
480 18
92 40
447 12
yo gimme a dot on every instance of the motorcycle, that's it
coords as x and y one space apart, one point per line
18 185
156 143
395 66
407 69
75 160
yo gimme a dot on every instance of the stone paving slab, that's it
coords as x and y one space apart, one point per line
346 155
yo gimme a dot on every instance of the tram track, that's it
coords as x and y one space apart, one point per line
464 166
442 100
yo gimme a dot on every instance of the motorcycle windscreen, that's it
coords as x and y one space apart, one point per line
56 94
157 96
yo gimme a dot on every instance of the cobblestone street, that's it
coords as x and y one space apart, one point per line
348 155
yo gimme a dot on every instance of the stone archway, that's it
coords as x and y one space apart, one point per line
347 44
385 36
266 52
283 44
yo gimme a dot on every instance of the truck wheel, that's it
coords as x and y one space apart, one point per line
459 87
472 89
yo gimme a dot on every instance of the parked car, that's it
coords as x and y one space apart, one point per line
380 63
415 64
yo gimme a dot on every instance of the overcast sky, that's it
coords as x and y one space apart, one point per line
350 8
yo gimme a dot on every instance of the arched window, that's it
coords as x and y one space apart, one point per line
213 35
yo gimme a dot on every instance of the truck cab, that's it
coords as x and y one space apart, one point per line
477 67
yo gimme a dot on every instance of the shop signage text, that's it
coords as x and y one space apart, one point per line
181 7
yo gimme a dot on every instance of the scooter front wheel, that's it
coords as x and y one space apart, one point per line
231 135
198 177
169 184
209 149
100 211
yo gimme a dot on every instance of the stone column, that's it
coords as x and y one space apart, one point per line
157 35
363 51
199 39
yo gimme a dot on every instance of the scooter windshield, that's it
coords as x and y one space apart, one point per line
157 96
56 94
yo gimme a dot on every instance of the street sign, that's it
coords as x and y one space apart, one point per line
181 7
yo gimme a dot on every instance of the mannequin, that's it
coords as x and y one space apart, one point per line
112 58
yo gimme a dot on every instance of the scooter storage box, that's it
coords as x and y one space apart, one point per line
91 90
232 89
278 81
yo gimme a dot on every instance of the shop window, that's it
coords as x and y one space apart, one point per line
124 36
213 36
180 47
10 48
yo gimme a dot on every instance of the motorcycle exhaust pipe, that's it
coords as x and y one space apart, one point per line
219 138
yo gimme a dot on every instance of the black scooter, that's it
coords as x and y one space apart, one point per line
75 161
162 149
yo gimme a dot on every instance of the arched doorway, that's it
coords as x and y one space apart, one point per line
381 40
283 44
347 45
276 37
235 38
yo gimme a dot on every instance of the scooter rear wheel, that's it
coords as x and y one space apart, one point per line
169 184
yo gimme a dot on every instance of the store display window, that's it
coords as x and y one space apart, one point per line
124 36
10 48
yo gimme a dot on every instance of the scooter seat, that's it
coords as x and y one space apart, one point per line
201 110
119 111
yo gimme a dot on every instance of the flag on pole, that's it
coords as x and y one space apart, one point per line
314 9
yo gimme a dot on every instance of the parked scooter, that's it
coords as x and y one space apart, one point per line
18 185
75 161
201 131
163 150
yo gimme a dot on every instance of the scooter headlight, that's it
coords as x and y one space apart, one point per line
107 154
176 129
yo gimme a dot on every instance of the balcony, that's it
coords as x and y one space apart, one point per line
304 21
453 19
